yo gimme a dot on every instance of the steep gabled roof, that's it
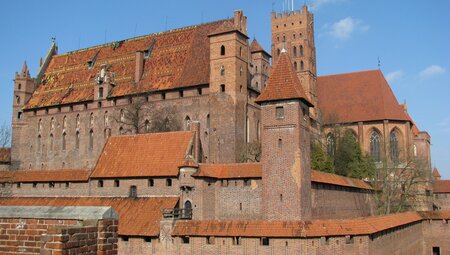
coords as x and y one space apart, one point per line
178 58
256 47
146 155
359 96
283 83
436 173
137 216
314 228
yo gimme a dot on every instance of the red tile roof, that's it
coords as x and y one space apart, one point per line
6 176
159 154
179 58
254 170
441 186
230 171
436 173
283 83
359 96
64 175
137 217
256 47
5 155
321 177
314 228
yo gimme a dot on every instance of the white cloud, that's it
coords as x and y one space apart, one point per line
432 70
344 28
393 76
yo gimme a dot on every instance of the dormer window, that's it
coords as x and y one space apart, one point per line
146 54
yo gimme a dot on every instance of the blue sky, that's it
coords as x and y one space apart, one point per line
412 39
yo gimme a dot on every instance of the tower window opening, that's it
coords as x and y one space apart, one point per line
302 65
222 88
222 50
294 51
100 92
301 50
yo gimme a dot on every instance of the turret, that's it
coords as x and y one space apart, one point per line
286 169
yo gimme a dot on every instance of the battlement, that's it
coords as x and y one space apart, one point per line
284 15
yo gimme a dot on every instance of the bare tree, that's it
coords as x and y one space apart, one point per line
145 117
5 136
402 186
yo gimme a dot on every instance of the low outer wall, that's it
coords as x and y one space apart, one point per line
58 230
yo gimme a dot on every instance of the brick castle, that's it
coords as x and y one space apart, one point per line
188 192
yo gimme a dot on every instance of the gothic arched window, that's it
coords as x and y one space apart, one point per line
295 51
64 141
295 66
302 65
77 140
375 146
222 50
394 146
187 123
331 145
51 142
301 50
91 140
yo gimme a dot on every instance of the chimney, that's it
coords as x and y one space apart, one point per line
240 21
139 66
195 127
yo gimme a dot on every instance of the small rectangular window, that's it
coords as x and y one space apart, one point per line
67 185
116 183
247 182
18 185
100 183
34 185
163 96
51 185
151 182
222 88
185 239
147 239
124 238
181 93
264 241
279 112
199 91
436 251
168 182
146 54
100 92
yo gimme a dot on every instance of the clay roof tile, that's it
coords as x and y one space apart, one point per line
283 83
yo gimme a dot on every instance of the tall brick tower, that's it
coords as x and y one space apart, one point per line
294 31
228 89
286 169
24 87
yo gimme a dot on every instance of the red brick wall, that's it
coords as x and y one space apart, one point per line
334 202
436 233
43 236
403 240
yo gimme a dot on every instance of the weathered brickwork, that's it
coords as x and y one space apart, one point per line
443 200
406 239
49 236
331 201
436 233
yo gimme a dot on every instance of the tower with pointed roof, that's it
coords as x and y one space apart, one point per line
294 32
286 169
24 87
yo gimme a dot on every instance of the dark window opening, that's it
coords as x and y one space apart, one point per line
280 143
163 96
222 50
151 182
236 240
302 65
18 185
34 185
116 183
100 92
199 91
100 184
19 115
264 241
240 206
222 88
147 239
124 238
436 251
51 185
181 93
185 240
67 184
301 51
168 182
247 182
133 191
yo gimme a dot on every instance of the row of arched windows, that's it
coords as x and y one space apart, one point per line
300 51
374 146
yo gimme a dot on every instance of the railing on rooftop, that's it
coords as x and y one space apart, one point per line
177 213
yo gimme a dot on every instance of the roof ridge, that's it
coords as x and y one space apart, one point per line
354 72
142 37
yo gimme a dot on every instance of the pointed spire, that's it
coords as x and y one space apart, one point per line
436 174
24 69
283 83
